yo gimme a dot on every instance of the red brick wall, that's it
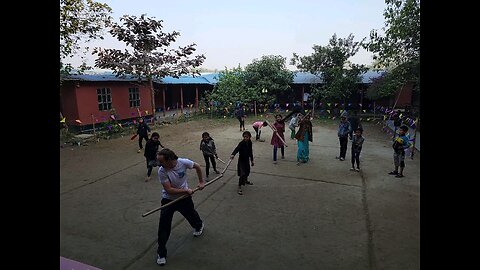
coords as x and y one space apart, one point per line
87 104
69 102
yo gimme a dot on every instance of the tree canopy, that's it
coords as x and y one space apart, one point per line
150 56
331 64
399 48
80 20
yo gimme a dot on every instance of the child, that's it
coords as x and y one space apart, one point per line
240 114
293 123
207 146
279 125
244 148
151 148
343 130
357 142
304 136
400 143
143 131
257 126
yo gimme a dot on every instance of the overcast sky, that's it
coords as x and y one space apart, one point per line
229 33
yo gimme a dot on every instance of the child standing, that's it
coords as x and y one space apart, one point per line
279 125
292 125
357 142
343 130
143 131
207 146
244 148
151 148
400 143
257 126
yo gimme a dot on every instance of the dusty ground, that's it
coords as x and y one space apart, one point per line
318 215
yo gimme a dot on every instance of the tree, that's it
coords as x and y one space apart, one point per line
150 58
399 47
267 77
80 20
229 89
330 63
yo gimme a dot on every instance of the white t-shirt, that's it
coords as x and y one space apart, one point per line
176 176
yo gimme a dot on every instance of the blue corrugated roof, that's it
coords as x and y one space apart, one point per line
306 78
100 78
212 78
184 80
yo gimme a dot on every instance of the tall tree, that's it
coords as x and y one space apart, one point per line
330 63
267 77
151 57
399 47
80 20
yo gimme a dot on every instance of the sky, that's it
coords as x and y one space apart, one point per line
230 33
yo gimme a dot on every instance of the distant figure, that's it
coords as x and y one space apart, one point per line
344 129
143 131
357 142
240 114
279 125
293 124
354 123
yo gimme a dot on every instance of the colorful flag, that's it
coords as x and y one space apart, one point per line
78 121
112 116
364 111
63 120
328 111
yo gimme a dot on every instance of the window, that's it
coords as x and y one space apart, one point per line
134 97
104 99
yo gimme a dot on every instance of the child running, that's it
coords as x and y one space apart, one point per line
151 148
207 146
244 148
357 142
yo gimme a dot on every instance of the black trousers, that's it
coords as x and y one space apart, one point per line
258 132
356 157
187 209
242 122
140 139
149 167
207 161
343 146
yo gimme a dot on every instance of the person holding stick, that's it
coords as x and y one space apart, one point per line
151 149
244 148
257 126
207 146
277 136
303 136
143 131
172 174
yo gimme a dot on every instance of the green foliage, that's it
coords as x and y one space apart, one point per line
80 20
267 77
149 57
331 64
229 90
399 48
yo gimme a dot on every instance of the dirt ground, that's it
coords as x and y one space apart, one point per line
317 215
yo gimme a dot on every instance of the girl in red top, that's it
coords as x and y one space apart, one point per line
279 125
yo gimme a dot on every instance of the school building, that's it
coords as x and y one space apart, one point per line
88 99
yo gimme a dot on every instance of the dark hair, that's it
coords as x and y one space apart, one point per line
155 134
247 133
359 129
167 154
264 124
205 134
404 128
278 115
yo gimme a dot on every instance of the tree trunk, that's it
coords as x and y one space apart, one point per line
153 95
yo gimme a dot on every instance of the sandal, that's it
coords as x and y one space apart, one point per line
249 183
393 173
240 192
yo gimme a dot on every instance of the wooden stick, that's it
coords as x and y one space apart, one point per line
276 132
221 160
186 195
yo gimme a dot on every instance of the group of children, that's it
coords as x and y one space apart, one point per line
172 171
